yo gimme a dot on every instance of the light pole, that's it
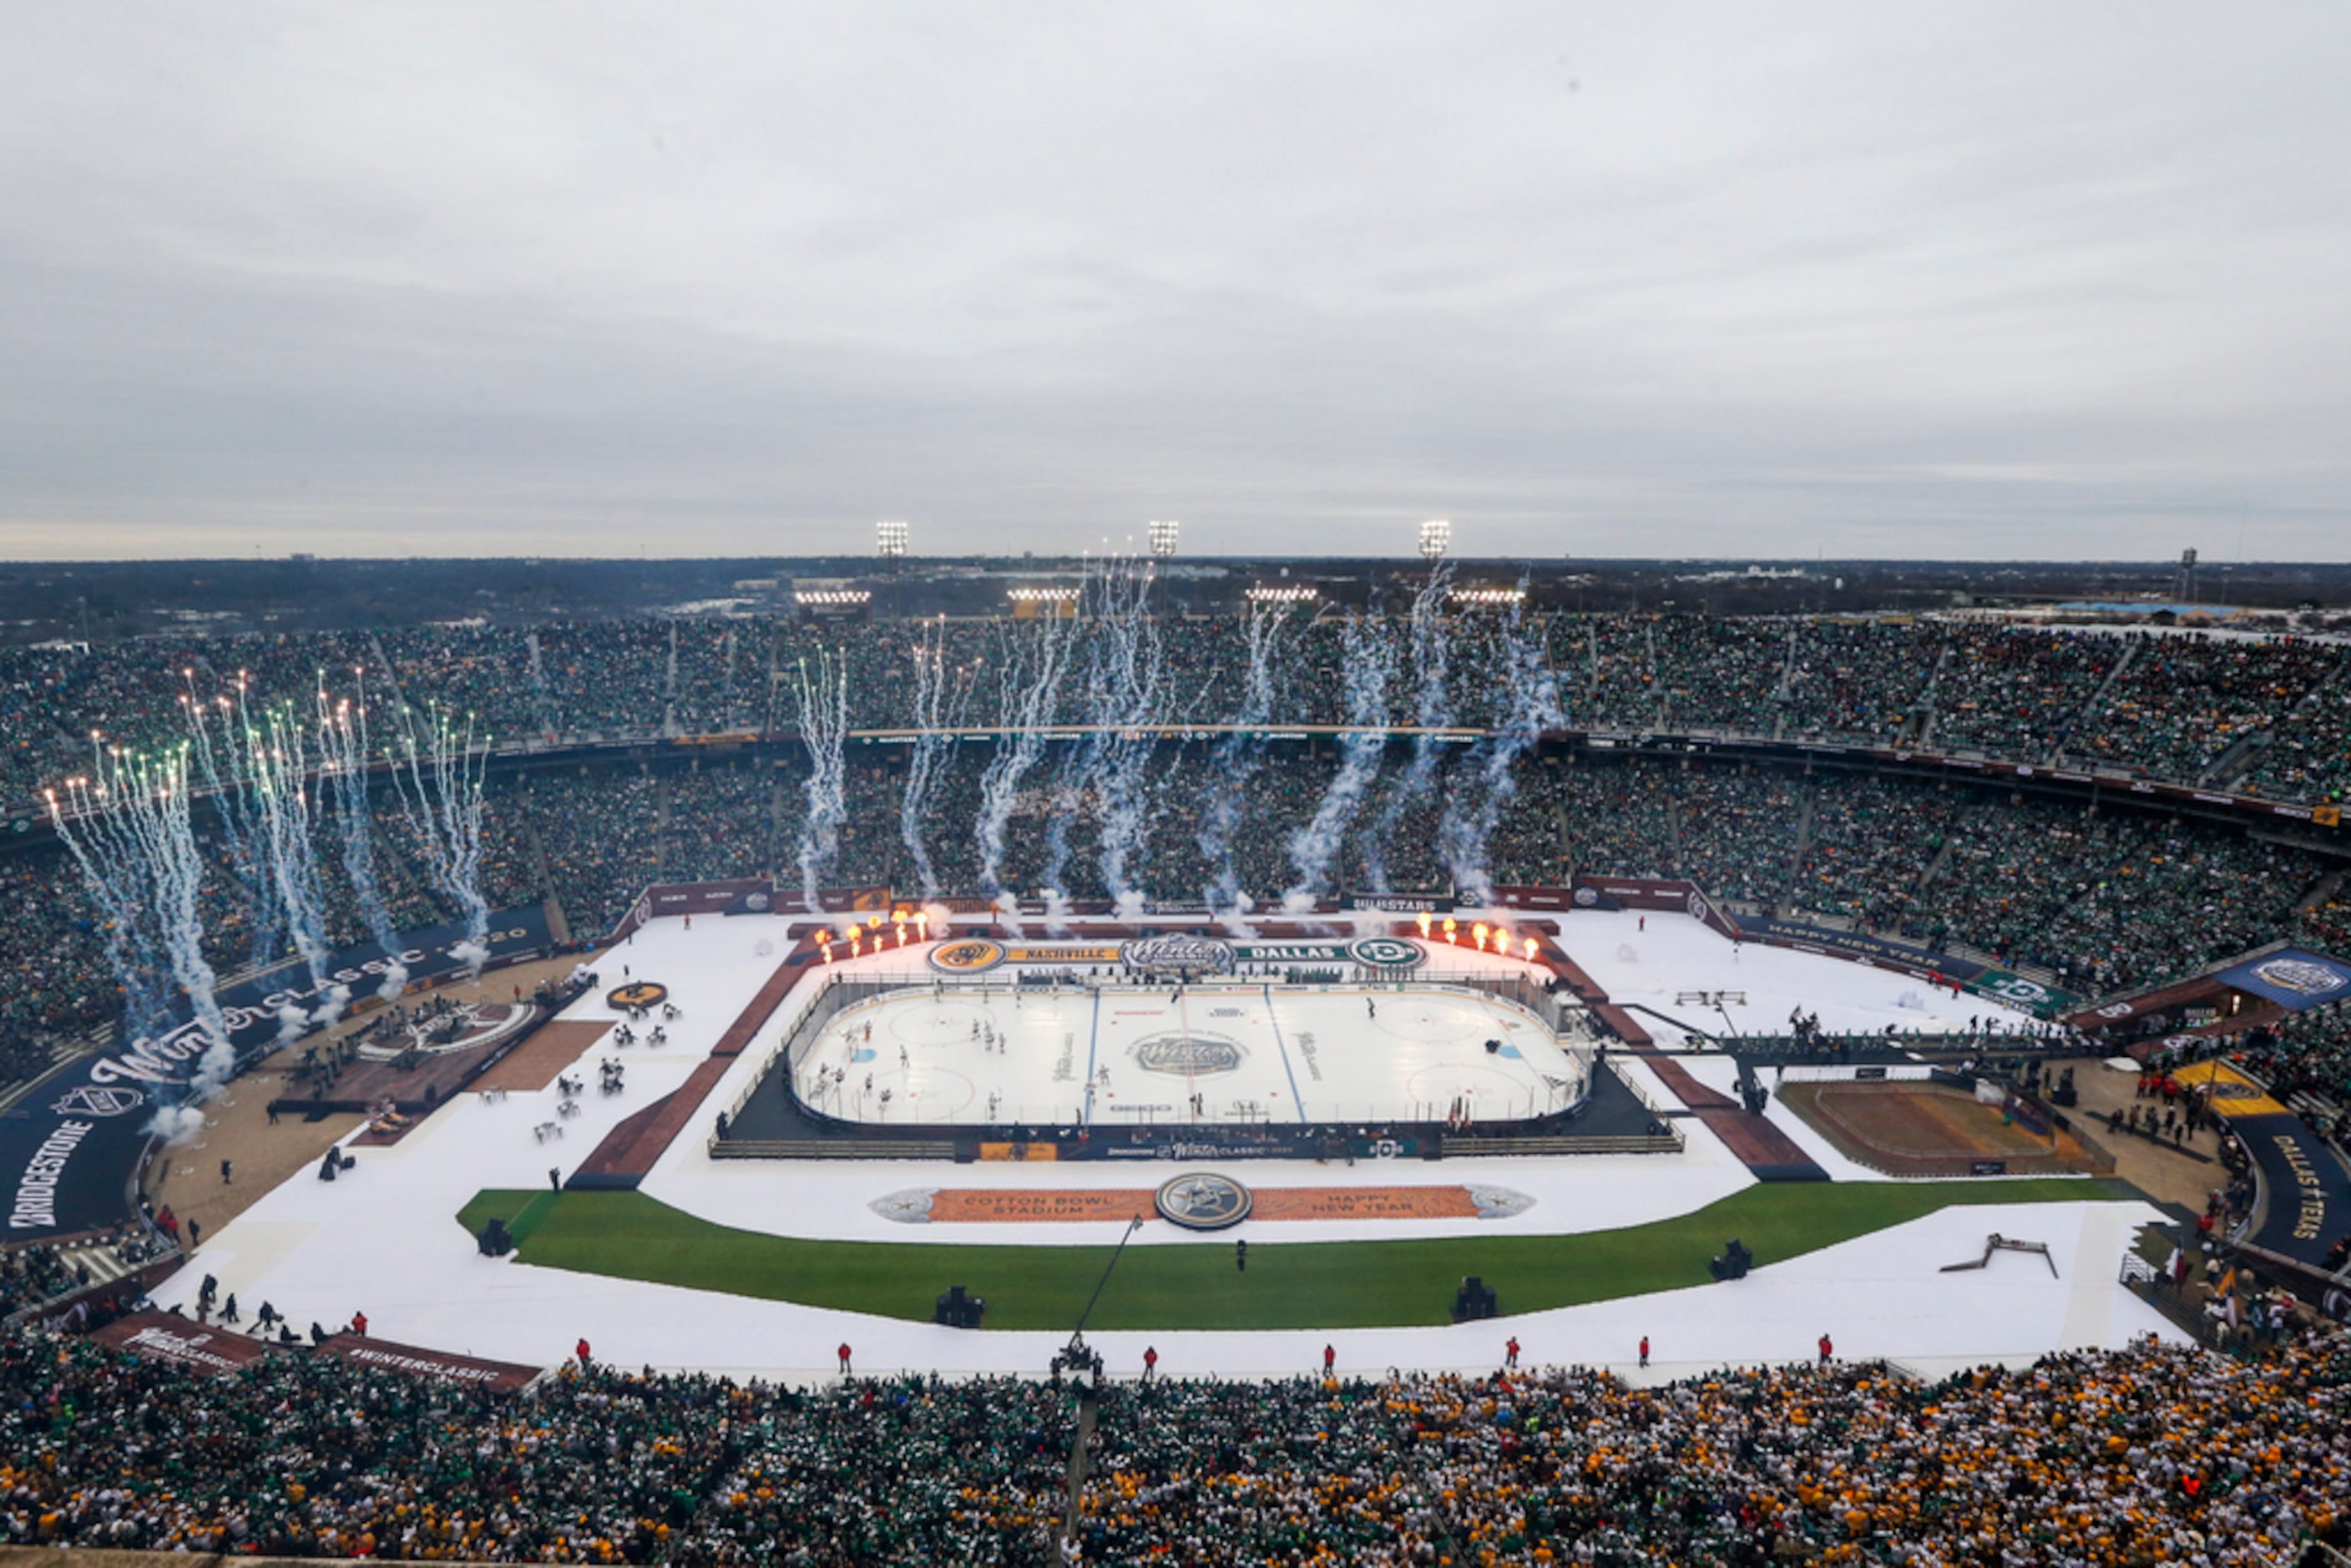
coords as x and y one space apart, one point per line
1436 539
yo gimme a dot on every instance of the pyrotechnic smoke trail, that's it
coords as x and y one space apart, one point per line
107 859
1236 758
1431 706
128 831
941 698
1368 659
1534 707
1129 692
235 810
343 760
275 762
824 725
1029 687
437 770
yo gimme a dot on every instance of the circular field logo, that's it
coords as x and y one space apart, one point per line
967 955
637 994
1178 955
1187 1054
1203 1201
1387 953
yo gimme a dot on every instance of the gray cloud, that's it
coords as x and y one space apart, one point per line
1742 280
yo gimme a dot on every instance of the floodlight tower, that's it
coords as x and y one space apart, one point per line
1436 539
1163 537
890 538
2185 590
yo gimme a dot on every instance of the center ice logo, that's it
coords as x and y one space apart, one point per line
1187 1054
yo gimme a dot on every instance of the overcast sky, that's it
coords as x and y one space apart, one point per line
1746 281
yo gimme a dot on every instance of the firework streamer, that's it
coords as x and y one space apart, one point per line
218 772
129 830
1236 758
824 726
344 760
1432 708
1128 694
1367 655
121 888
1531 690
437 770
277 766
1030 688
942 696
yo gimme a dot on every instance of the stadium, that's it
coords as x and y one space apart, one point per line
1432 1026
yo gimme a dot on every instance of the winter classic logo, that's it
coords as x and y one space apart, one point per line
2302 976
1178 955
968 956
1586 898
1696 908
96 1100
1187 1054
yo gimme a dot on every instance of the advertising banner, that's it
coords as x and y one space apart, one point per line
184 1341
439 1366
69 1146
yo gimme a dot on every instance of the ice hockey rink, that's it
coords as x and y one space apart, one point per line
1230 1053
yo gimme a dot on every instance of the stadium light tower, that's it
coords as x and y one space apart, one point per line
1163 537
891 540
1436 539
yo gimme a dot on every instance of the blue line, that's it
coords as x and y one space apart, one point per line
1094 1033
1280 1045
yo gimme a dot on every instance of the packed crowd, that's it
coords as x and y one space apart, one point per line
2270 714
2157 1453
2100 900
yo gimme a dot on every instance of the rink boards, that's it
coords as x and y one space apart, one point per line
1209 1055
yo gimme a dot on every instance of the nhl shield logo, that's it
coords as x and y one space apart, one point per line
98 1100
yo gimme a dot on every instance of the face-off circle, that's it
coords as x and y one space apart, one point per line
637 994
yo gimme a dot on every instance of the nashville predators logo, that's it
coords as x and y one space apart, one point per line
637 994
967 956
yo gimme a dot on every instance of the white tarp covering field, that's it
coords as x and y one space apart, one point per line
385 1240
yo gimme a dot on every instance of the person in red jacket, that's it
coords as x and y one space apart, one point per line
843 1354
1150 1362
359 1324
1644 1350
1330 1359
1827 1349
1510 1355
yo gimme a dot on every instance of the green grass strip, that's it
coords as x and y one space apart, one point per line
1302 1285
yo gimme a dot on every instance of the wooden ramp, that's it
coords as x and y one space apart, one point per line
627 1154
1761 1147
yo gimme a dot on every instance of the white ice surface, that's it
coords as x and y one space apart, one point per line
384 1239
979 1055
